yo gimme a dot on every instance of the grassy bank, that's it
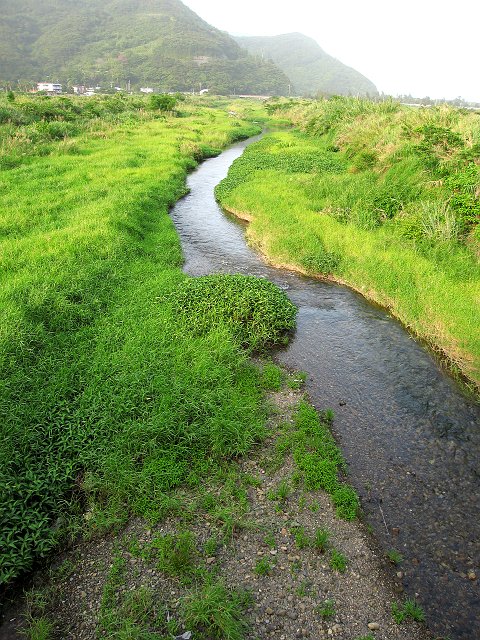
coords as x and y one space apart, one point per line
110 394
378 196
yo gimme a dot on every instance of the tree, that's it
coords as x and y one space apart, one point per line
162 102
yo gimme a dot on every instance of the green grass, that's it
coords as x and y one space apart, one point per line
263 567
390 206
110 395
214 611
338 561
409 609
326 610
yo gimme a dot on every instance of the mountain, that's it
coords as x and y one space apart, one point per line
159 43
310 69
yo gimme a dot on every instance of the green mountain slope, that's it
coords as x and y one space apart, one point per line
160 43
310 69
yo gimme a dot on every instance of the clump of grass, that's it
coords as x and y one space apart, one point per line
338 561
346 502
281 493
174 554
395 556
302 540
320 539
263 567
272 377
410 609
326 610
211 546
216 612
304 589
269 540
296 380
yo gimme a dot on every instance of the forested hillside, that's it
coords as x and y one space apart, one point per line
160 43
310 69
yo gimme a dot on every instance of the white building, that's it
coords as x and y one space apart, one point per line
49 87
146 89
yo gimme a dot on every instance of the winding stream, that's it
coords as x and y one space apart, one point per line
410 436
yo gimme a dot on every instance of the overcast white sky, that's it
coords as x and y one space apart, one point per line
422 47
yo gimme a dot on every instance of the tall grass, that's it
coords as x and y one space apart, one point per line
389 206
106 399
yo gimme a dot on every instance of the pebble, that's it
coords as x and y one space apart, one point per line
471 575
373 626
336 628
210 560
269 611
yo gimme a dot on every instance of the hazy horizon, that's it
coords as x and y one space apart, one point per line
413 48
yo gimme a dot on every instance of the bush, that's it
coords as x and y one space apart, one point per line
162 102
257 312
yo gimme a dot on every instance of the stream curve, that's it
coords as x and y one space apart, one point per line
410 435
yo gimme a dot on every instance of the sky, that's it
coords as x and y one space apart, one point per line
418 47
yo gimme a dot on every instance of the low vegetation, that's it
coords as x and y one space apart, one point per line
382 197
108 398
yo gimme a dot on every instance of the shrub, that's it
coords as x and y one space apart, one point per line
257 312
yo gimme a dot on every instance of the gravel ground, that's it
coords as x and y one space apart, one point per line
286 602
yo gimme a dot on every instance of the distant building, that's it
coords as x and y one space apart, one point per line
79 89
49 87
202 60
203 91
146 89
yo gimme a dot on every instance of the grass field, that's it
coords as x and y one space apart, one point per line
380 197
109 394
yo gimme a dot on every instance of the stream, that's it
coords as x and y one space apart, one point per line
410 435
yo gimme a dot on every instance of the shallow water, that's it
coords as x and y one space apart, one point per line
410 435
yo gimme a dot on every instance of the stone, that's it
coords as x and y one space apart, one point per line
336 628
269 611
373 626
471 575
210 560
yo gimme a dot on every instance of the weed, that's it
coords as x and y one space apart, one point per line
281 493
269 540
263 567
40 629
346 502
272 377
302 540
304 589
338 562
296 380
395 556
410 609
320 539
314 506
216 612
174 554
326 610
211 545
